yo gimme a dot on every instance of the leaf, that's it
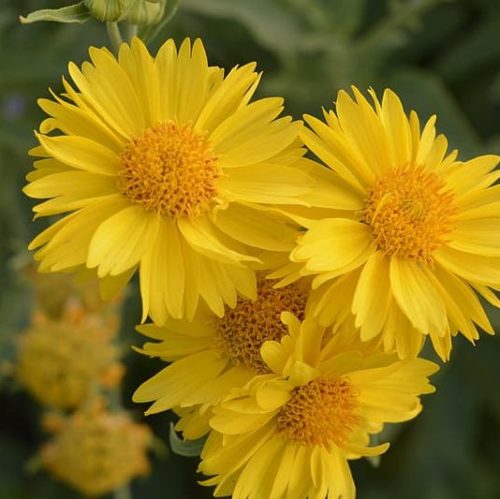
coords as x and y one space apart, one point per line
347 15
76 13
186 448
275 26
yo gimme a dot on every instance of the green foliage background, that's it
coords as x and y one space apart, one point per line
441 57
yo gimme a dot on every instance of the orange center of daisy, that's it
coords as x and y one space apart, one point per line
321 412
243 330
410 213
170 169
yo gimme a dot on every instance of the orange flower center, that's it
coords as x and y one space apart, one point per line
410 213
243 330
170 169
321 412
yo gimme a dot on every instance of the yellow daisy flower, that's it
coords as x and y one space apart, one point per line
415 233
225 351
291 433
96 451
166 166
60 362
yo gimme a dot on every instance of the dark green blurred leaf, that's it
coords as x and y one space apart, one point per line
272 23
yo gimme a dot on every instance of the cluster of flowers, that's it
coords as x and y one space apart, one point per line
68 361
291 296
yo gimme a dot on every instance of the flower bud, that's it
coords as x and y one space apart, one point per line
146 11
107 10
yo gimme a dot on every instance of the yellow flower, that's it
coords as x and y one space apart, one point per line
212 355
165 166
60 361
414 234
96 451
291 433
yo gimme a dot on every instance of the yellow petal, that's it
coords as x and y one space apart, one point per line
475 268
162 275
226 98
256 228
266 183
416 296
364 130
121 241
257 477
68 240
83 122
371 299
203 238
81 153
397 128
175 382
330 147
71 190
268 141
477 236
332 244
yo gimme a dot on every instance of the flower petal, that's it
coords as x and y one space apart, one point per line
371 299
81 153
121 241
416 296
332 244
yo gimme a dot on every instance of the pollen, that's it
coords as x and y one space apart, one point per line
410 213
243 330
170 169
321 412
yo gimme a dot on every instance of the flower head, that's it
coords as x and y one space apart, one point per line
96 451
60 361
164 165
290 433
412 232
225 351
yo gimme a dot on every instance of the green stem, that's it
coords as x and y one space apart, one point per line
114 35
132 30
151 32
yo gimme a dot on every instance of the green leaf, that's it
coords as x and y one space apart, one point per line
347 15
186 448
76 13
276 26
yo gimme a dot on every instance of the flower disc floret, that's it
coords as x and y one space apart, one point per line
171 170
321 412
244 329
410 213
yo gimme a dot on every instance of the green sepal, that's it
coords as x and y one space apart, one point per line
76 13
186 448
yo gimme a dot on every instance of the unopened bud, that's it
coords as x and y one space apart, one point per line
107 10
146 11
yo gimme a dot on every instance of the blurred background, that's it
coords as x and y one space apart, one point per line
442 57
